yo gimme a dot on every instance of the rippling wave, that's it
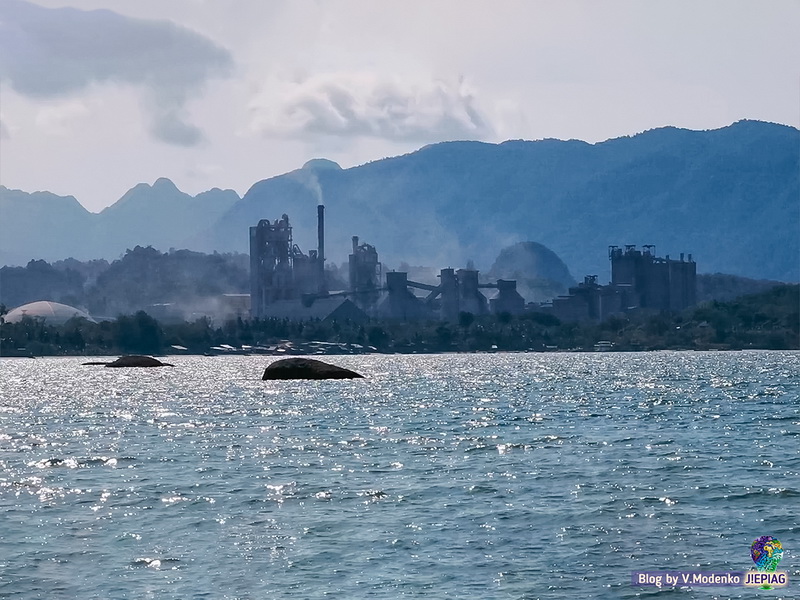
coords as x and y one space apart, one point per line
470 476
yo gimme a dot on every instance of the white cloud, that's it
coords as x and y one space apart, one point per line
46 53
581 69
363 104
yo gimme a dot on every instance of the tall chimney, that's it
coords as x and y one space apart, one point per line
321 245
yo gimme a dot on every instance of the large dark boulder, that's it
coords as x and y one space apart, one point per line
306 368
137 361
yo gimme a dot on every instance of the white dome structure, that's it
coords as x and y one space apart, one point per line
52 312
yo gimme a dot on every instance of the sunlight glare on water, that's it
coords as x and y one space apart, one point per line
491 476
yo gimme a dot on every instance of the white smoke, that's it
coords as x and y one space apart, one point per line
365 104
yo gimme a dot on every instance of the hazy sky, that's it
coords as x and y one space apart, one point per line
99 95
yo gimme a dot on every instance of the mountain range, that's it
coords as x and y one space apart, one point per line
729 196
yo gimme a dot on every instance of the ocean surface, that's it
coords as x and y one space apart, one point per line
507 476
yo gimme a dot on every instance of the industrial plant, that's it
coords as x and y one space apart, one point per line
639 281
287 283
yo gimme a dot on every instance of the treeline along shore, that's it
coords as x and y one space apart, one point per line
769 320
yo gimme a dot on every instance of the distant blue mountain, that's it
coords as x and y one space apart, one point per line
729 196
160 215
45 226
41 225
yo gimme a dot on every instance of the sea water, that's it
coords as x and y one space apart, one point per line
437 476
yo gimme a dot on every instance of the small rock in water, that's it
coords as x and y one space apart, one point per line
307 368
137 361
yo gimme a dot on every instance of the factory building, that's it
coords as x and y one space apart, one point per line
658 283
285 283
508 299
639 281
470 298
590 301
400 302
325 309
364 272
458 292
279 270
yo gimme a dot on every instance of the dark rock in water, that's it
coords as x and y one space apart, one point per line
138 361
95 363
306 368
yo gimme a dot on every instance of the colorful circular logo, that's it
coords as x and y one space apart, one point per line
766 552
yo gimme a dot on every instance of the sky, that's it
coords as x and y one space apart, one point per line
97 96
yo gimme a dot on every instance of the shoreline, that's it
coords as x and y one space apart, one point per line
399 353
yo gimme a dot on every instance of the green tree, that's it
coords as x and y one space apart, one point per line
140 333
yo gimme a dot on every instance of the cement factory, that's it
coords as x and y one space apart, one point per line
287 283
639 281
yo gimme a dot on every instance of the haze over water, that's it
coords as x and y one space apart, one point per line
440 476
